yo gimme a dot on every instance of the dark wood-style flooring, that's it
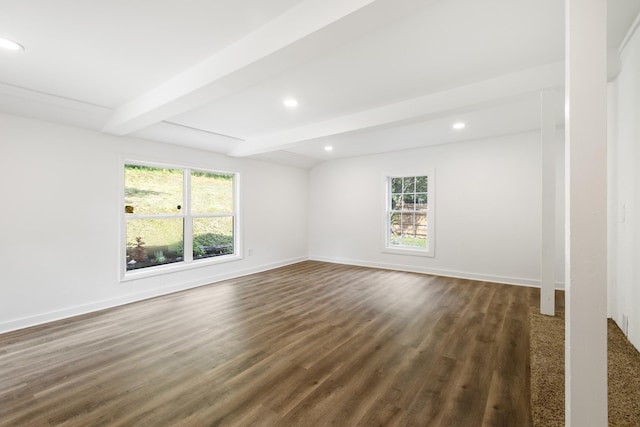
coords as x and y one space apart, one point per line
311 344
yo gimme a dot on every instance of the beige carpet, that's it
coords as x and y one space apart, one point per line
547 373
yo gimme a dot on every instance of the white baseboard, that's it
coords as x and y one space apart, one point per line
39 319
534 283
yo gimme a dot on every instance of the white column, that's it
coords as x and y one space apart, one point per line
548 238
586 222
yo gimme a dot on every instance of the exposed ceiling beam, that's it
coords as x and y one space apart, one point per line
485 93
305 30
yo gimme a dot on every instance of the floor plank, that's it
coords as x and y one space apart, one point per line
307 344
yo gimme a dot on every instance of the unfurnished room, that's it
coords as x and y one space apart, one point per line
320 212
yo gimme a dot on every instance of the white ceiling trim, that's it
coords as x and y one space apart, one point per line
481 94
47 98
45 106
176 134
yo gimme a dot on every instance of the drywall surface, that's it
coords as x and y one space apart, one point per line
624 193
60 220
487 212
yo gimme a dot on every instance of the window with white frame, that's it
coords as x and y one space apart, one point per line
409 217
177 216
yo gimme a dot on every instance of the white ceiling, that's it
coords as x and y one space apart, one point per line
371 76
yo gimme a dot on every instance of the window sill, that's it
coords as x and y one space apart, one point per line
410 252
176 267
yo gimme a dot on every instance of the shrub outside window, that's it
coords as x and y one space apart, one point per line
176 216
409 217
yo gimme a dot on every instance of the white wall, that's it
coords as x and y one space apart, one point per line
59 252
60 194
487 214
624 192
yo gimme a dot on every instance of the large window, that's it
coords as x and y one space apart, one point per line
409 217
177 216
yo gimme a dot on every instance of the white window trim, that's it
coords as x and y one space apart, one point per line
430 250
188 263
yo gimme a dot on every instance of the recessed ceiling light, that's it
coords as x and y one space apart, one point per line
328 148
10 44
290 102
458 126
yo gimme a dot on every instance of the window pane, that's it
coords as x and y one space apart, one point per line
420 230
409 202
395 229
413 230
154 242
407 224
212 237
396 202
415 241
421 184
211 193
150 190
409 184
421 202
396 185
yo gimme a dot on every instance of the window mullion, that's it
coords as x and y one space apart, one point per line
152 216
188 220
213 215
